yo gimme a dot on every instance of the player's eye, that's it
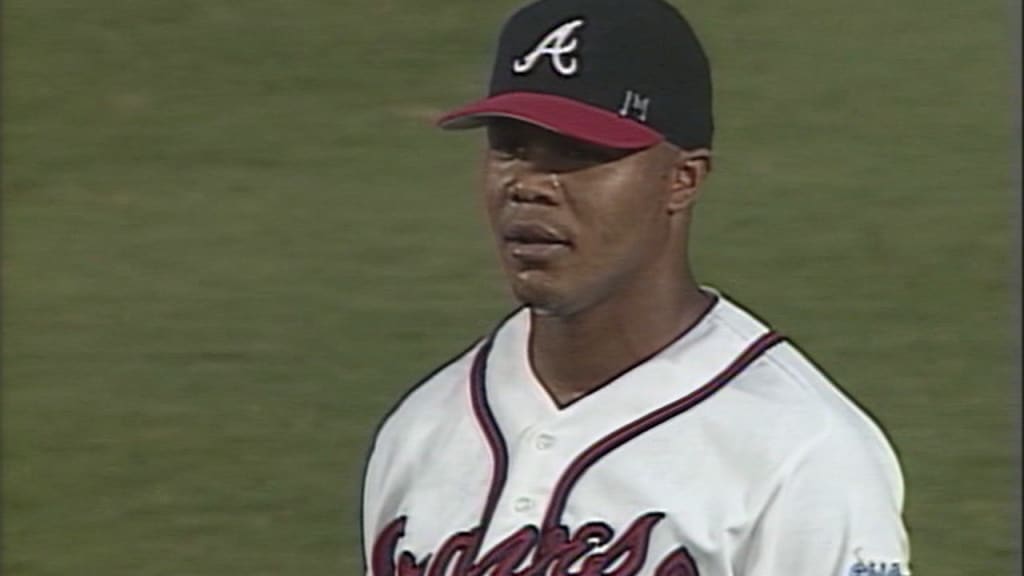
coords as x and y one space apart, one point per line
508 151
580 153
505 144
584 154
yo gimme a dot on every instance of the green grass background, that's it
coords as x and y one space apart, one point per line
231 239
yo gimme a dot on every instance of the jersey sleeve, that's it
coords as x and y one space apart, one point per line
368 503
374 478
838 511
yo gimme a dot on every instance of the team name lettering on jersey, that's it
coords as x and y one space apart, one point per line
559 45
593 550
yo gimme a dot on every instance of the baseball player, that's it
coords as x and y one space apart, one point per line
625 419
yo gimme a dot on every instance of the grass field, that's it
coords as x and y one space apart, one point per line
231 239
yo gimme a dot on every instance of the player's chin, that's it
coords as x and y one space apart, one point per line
539 290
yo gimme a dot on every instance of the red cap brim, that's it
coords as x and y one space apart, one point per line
557 114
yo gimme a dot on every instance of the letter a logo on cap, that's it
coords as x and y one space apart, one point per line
559 44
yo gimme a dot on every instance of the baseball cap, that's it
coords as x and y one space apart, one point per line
623 74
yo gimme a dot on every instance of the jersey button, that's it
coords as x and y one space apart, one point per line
544 441
523 505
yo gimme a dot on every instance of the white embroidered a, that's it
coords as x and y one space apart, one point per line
635 105
559 45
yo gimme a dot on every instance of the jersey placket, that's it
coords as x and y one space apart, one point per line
528 423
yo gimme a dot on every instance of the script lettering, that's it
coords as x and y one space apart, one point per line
593 548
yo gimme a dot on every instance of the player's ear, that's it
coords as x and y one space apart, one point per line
689 169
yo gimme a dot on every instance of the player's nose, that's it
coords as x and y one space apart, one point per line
530 187
532 190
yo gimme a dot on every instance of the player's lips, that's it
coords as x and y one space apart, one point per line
534 241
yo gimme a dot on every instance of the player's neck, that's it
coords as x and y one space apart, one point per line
573 355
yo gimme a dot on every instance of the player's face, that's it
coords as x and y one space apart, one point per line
575 223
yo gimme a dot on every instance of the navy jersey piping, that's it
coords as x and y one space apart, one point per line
682 334
651 420
489 426
605 445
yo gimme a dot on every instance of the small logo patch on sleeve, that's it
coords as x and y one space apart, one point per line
862 568
871 568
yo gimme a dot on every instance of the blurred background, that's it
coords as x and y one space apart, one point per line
232 239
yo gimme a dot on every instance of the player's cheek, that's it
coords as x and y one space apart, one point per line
492 174
492 201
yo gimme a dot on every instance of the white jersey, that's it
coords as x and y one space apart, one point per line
727 453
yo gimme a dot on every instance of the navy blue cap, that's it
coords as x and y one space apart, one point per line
619 73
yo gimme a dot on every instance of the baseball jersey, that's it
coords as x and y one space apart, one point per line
726 453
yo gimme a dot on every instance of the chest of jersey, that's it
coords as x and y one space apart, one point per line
603 487
561 509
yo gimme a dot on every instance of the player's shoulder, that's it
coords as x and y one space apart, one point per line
438 399
432 396
792 394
